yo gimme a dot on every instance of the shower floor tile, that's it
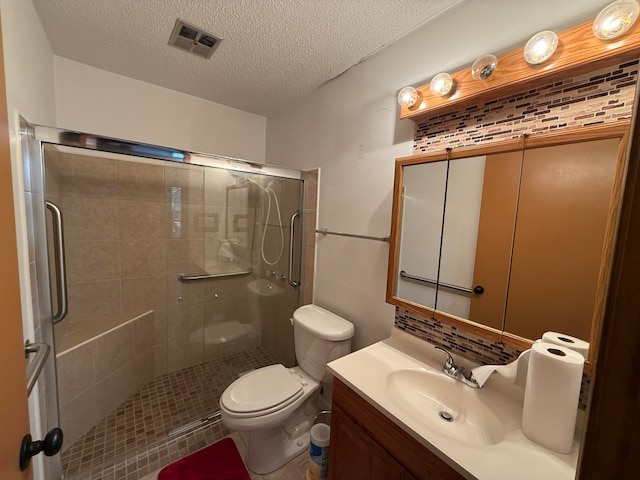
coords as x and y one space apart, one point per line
144 420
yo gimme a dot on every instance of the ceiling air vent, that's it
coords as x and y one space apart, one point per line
193 39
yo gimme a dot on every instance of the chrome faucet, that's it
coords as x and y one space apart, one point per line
454 371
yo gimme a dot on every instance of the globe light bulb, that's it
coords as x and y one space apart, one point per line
484 67
441 84
408 97
540 47
616 19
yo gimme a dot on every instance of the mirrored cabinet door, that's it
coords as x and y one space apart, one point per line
421 224
461 219
525 244
563 216
494 242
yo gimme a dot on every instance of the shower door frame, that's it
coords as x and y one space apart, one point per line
33 139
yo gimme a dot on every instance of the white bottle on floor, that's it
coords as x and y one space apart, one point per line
318 452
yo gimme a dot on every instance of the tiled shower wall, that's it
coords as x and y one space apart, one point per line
132 227
600 97
98 375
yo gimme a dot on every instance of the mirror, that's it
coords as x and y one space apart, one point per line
513 239
423 199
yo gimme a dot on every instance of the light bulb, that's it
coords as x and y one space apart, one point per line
407 97
484 66
441 84
616 19
540 47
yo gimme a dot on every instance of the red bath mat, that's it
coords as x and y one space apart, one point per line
220 461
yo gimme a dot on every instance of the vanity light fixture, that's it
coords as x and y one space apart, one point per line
441 84
408 97
540 47
616 19
484 67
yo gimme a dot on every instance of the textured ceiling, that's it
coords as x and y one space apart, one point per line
273 51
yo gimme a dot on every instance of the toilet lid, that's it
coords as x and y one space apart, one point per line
261 389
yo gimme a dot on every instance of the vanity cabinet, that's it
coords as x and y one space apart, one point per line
366 444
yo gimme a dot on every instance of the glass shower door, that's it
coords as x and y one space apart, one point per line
178 281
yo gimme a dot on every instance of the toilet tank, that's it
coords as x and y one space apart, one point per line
320 337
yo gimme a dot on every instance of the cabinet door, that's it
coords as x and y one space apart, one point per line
495 234
564 212
354 455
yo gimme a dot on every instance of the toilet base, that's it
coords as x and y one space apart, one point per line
270 449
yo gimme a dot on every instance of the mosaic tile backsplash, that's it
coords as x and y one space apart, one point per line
466 344
599 97
602 96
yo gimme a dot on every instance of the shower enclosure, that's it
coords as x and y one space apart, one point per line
179 272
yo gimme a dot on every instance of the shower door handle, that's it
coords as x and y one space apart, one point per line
61 269
293 283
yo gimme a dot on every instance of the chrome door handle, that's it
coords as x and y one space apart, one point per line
35 363
61 269
293 283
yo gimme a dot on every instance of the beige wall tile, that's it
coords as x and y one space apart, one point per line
226 288
84 176
187 184
309 228
140 181
160 359
90 219
117 387
75 372
92 260
113 350
143 220
183 354
193 221
94 300
285 352
289 197
220 310
79 415
190 292
268 332
53 180
185 322
143 366
143 257
160 327
143 330
185 255
310 189
142 294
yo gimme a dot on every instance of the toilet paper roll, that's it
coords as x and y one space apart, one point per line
568 341
551 396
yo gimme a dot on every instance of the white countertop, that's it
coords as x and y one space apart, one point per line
516 457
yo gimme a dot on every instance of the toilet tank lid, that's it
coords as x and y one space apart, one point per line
323 323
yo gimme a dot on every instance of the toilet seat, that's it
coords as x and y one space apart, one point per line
262 391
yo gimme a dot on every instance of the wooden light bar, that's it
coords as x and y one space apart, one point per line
579 51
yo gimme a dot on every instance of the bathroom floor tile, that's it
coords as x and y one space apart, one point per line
132 441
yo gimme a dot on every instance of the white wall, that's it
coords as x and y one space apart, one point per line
349 128
28 64
96 101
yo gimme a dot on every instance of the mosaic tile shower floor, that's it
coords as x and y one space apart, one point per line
132 440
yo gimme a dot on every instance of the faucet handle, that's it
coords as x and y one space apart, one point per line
449 360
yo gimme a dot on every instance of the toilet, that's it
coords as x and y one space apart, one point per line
274 406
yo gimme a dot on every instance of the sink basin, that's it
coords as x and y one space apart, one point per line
446 405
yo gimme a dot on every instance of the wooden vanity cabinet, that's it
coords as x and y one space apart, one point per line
366 444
